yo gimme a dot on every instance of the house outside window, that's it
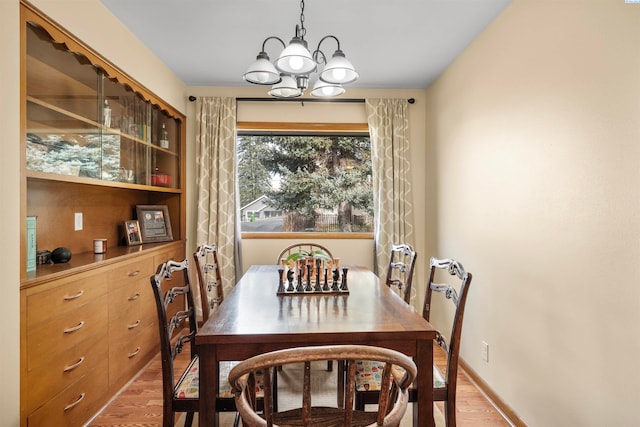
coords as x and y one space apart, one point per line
305 182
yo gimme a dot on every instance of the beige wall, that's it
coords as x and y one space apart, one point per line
536 129
10 217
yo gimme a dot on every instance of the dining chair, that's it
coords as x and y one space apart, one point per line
209 278
178 327
397 374
299 250
402 262
444 383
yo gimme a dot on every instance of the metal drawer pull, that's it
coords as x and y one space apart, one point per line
134 297
75 365
134 273
70 297
130 355
134 325
71 405
74 328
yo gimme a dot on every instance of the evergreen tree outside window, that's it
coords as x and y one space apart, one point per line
305 183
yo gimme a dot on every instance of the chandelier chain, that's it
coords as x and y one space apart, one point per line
303 30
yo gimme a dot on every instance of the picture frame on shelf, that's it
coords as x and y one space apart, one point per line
155 225
132 232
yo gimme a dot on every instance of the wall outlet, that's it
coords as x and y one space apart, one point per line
485 351
78 221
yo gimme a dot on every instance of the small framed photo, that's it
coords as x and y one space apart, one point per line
155 225
132 232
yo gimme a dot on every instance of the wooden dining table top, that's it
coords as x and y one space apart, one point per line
254 313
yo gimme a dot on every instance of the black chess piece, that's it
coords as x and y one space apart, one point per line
343 285
299 288
334 284
325 287
318 286
280 281
290 280
308 287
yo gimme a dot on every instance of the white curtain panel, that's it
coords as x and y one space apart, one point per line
389 130
216 183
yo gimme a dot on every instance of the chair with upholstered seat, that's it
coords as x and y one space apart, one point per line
444 383
178 327
397 374
402 261
209 278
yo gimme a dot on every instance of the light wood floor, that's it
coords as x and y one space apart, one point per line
140 403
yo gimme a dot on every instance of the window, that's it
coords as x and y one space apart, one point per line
297 181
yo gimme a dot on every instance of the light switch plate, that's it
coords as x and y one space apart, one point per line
78 221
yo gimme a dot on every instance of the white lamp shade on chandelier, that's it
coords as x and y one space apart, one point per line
287 88
324 89
296 59
290 72
262 71
339 70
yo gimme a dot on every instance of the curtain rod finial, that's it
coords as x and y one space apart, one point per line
192 98
411 100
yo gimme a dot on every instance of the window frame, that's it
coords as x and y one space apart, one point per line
303 128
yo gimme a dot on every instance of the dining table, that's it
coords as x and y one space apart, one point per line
255 318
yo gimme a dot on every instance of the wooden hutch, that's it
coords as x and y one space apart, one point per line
96 143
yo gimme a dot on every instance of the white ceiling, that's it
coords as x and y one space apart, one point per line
394 44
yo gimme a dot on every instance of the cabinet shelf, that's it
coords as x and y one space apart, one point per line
90 125
44 176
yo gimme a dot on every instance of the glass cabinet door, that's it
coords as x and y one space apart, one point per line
82 123
62 130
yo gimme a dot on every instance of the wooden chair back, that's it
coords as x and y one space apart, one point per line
398 373
402 261
455 291
303 248
209 278
177 326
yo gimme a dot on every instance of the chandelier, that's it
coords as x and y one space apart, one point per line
289 74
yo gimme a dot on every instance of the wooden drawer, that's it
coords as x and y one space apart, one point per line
131 301
175 253
130 353
64 298
60 372
75 404
123 329
132 272
48 339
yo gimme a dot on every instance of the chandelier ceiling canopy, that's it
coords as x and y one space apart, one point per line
289 74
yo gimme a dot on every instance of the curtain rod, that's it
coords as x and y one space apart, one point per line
353 100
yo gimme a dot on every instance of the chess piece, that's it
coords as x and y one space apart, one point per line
299 288
308 287
343 285
334 284
290 280
325 287
280 280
